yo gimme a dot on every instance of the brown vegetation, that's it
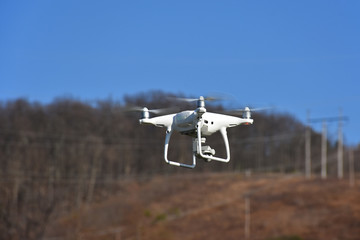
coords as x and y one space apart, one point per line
212 206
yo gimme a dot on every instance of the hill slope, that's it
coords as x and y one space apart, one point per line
212 206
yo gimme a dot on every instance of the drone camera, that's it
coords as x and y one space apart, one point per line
205 150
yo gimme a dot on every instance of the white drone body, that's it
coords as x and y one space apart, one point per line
197 124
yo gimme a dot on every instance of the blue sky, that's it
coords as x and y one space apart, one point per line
295 55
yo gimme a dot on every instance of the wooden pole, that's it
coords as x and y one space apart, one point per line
324 151
340 149
351 168
308 148
247 217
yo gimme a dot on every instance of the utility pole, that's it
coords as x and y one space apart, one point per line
340 154
340 148
247 217
324 150
308 148
351 168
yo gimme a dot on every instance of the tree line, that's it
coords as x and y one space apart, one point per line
66 153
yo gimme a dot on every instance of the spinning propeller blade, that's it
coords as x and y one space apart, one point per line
251 109
163 110
208 98
155 111
248 110
185 99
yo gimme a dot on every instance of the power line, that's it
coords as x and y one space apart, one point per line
324 122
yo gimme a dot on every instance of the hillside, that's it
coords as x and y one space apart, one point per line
212 206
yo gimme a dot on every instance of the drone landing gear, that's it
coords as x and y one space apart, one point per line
199 151
178 164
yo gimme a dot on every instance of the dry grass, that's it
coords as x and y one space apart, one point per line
211 206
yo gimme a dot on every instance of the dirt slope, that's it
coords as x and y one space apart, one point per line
212 206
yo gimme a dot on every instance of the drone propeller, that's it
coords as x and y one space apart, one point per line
201 98
246 112
241 110
145 111
155 111
200 101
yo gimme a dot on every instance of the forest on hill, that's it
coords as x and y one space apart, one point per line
66 153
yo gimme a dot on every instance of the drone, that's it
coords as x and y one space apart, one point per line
198 124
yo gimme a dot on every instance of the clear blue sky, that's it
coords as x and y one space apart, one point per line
296 55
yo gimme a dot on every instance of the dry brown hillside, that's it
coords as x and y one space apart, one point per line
212 206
